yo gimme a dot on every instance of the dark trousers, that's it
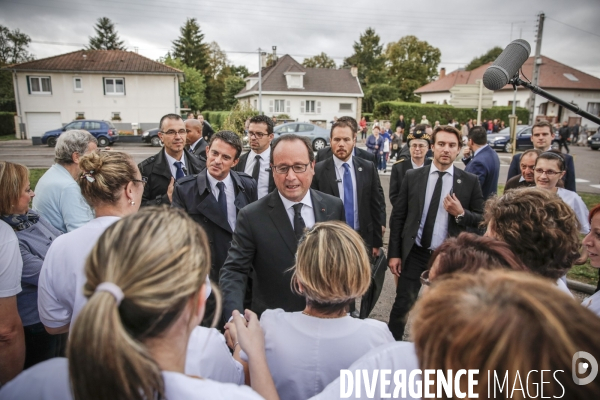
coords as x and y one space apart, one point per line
41 346
561 143
408 288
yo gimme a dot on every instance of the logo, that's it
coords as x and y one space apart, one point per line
579 367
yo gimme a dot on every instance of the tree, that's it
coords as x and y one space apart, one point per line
411 63
217 60
190 47
191 91
490 56
319 61
379 92
233 85
368 57
239 70
13 47
106 36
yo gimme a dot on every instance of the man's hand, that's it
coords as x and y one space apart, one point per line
466 152
375 252
382 230
453 206
170 189
395 265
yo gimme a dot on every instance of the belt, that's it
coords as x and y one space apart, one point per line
422 249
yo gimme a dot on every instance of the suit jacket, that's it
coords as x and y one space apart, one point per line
398 171
264 240
515 183
568 180
326 153
207 130
241 166
406 217
158 172
193 195
200 149
370 201
486 165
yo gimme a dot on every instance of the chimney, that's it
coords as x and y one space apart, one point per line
84 57
442 73
274 53
354 71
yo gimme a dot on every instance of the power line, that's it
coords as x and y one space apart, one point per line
574 27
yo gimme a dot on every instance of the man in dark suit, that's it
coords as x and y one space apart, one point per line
267 231
541 136
326 153
435 202
482 161
207 130
171 163
214 197
195 143
256 162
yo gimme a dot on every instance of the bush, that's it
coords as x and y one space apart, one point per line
236 119
283 116
215 118
368 116
7 123
391 110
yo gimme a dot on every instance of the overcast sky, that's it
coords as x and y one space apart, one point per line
461 29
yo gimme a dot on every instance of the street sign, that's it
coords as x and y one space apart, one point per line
467 96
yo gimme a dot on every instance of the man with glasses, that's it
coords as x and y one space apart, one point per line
170 164
256 162
480 159
267 232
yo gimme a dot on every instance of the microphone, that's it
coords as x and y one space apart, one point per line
506 65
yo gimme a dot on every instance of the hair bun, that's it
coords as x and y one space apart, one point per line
91 162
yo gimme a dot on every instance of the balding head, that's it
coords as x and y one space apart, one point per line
194 128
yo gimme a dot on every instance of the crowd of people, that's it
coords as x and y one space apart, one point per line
206 273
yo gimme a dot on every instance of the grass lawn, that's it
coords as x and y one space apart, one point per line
34 176
5 138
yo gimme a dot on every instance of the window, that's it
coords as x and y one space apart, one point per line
305 128
593 108
255 104
77 85
279 106
114 86
116 116
345 106
40 85
79 115
517 104
74 125
291 128
571 77
543 109
309 106
92 126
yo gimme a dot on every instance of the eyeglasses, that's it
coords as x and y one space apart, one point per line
418 146
181 132
258 135
297 168
548 173
425 278
143 181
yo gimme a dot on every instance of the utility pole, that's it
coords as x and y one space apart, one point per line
260 81
537 61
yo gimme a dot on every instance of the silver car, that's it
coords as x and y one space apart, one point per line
318 136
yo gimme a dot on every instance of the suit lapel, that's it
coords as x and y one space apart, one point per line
208 206
423 189
319 207
281 221
162 166
240 197
331 177
360 182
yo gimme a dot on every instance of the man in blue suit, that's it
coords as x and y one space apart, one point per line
480 159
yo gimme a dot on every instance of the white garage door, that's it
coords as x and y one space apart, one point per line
39 123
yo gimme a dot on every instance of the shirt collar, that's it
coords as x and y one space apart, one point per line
479 149
193 146
338 163
171 160
213 182
287 204
265 155
415 166
450 170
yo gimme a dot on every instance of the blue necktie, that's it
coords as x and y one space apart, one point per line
222 200
179 173
348 196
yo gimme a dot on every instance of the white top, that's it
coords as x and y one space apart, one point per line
306 353
415 166
11 263
172 166
441 220
574 201
308 214
593 303
229 194
52 383
339 172
386 145
562 286
396 356
262 185
60 286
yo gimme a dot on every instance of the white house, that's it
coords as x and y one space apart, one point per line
560 80
115 85
315 95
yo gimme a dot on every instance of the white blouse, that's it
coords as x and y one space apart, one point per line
592 303
574 201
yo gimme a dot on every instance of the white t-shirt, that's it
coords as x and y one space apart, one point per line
562 285
52 383
592 303
392 356
11 263
60 286
574 201
306 353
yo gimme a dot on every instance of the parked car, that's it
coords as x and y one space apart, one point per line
151 136
104 131
501 140
594 141
318 136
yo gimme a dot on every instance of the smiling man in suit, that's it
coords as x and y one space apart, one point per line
267 231
435 202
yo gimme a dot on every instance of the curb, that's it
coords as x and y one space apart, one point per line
581 287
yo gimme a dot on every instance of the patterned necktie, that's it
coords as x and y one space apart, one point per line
432 212
299 224
348 196
256 169
222 200
179 173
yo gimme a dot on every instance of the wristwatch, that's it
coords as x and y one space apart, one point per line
459 218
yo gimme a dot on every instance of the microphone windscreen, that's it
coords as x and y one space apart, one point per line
506 65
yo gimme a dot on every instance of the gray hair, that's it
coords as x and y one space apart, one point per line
73 141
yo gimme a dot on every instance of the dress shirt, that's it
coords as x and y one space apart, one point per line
262 186
339 173
441 220
415 166
193 146
173 168
308 213
229 192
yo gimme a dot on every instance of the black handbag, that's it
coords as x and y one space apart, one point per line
370 298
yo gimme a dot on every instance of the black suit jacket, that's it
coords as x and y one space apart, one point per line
241 166
326 153
264 241
369 199
406 217
398 171
193 194
200 149
158 172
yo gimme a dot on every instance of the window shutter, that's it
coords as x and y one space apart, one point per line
302 107
124 90
287 107
104 85
270 106
318 107
28 84
50 84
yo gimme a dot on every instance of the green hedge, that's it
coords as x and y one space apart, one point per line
444 113
7 123
216 118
